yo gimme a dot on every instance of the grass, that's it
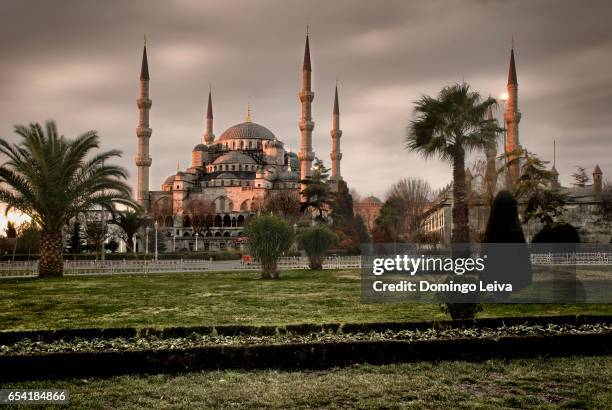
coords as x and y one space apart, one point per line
575 382
217 298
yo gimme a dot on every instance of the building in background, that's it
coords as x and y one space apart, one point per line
229 177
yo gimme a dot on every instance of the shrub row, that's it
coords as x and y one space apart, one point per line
294 356
28 347
11 337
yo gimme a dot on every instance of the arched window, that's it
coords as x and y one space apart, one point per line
234 222
250 144
186 234
227 221
241 144
217 234
169 223
240 220
186 221
226 234
218 220
208 234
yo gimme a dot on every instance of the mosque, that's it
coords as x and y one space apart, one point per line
208 204
581 210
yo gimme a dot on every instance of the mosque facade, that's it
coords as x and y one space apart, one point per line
207 206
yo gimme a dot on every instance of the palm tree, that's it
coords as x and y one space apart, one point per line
449 126
51 179
130 223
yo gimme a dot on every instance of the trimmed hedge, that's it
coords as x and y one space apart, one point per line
294 356
11 337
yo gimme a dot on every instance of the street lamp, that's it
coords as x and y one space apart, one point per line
102 254
134 243
196 247
156 225
147 241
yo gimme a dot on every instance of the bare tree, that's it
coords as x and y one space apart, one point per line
284 204
200 215
411 196
161 209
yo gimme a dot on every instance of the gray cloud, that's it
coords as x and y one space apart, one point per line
78 62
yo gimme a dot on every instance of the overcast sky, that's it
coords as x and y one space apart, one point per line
78 62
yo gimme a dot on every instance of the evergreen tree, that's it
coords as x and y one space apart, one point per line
76 243
581 178
350 228
503 225
535 187
362 230
342 206
388 222
317 192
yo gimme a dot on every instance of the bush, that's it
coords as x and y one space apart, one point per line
269 238
461 311
316 241
560 233
504 225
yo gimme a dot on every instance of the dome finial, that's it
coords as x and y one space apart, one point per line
178 166
248 117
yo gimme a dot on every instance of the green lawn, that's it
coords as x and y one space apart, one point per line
576 382
216 298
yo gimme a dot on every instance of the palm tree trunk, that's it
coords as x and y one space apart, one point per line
461 227
51 260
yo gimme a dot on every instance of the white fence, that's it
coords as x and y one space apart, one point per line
76 268
579 259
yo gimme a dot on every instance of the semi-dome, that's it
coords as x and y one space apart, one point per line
371 200
247 130
234 157
199 147
170 179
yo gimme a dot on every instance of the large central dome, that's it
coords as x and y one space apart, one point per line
247 130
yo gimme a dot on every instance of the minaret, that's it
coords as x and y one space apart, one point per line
491 169
555 174
306 124
597 181
336 133
209 137
143 132
512 118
